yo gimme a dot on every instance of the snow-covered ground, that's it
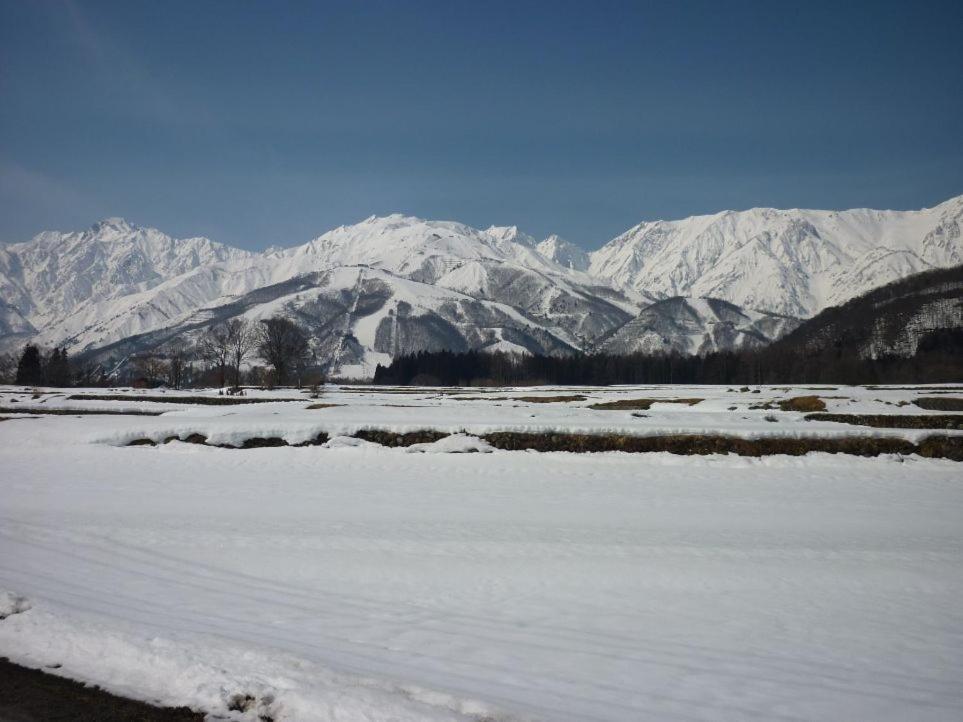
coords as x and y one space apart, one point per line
352 581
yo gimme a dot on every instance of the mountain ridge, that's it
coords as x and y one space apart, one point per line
498 287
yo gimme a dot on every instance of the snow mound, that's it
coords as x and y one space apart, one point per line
11 604
224 681
453 444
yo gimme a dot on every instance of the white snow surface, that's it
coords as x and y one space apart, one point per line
357 582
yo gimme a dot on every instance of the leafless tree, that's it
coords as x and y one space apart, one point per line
176 354
241 341
214 347
283 345
150 366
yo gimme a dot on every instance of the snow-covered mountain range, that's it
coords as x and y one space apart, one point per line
794 262
394 284
366 292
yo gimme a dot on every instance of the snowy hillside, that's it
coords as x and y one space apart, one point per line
794 262
696 326
919 314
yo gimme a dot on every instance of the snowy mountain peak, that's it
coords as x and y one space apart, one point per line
114 224
564 253
510 234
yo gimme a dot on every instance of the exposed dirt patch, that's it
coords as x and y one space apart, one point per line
30 695
408 390
313 407
930 389
526 399
894 421
941 403
550 399
197 400
639 404
947 447
698 444
942 447
391 438
802 403
76 412
255 442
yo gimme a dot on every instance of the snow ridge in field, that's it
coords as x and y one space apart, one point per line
217 678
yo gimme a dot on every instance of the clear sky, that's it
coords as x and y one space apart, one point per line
260 123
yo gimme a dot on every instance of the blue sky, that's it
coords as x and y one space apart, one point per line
260 123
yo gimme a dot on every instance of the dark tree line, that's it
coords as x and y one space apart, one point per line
939 359
37 368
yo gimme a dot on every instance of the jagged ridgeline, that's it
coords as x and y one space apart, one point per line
397 285
908 331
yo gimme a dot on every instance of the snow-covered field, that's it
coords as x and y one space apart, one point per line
352 581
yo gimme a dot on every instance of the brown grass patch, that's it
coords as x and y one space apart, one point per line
526 399
77 412
639 404
802 403
894 421
313 407
941 403
930 389
697 444
200 400
549 399
391 438
255 442
941 447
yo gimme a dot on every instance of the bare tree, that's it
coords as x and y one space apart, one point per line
214 347
283 345
149 366
241 341
177 358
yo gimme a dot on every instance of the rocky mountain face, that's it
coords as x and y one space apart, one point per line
696 326
793 262
396 284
